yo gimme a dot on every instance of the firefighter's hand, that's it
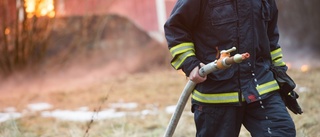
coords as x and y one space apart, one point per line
194 75
291 102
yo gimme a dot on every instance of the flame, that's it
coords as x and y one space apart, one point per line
7 31
304 68
40 8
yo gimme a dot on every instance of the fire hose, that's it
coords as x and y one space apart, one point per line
224 62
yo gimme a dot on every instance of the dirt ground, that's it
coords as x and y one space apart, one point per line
160 88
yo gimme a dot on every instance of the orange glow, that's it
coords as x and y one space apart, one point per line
289 65
40 8
7 31
304 68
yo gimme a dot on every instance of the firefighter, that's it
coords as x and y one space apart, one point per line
246 93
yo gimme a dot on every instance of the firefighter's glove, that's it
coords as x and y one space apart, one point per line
286 89
291 102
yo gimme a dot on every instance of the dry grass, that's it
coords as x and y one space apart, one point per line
308 124
160 89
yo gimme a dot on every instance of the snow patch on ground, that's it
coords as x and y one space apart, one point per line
9 116
39 106
81 114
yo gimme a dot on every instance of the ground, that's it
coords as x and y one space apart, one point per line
153 90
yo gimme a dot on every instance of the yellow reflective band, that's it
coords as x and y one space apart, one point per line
267 87
276 54
216 98
279 62
181 48
176 62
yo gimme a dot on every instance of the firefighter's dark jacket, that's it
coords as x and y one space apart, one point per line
197 30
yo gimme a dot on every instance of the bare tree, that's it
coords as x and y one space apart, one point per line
23 35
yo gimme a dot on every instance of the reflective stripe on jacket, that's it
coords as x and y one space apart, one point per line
180 53
232 97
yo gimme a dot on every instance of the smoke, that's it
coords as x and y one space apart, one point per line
299 25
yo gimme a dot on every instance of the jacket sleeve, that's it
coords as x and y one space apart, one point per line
178 32
273 34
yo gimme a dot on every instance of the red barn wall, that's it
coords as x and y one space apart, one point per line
7 11
141 12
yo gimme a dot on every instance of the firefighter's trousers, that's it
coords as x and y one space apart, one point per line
266 118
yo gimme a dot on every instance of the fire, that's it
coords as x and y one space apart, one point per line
40 8
7 31
304 68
